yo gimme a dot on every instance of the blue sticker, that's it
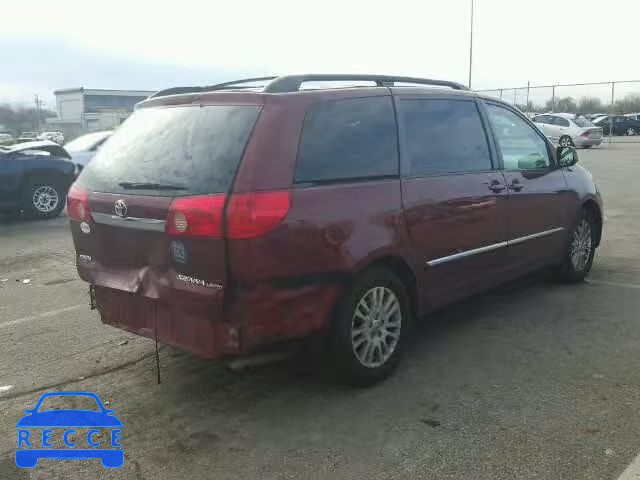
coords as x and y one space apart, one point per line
179 252
32 447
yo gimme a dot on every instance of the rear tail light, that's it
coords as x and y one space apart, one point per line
196 216
253 214
585 134
78 204
248 215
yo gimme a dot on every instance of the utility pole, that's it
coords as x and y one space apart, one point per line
471 45
37 115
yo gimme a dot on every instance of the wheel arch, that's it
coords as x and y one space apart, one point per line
44 176
593 208
403 270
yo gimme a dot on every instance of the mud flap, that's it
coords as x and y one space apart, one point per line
92 297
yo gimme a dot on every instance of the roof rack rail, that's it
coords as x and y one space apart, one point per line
292 83
226 85
175 91
218 86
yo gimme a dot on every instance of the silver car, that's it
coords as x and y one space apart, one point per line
83 148
54 136
6 139
568 129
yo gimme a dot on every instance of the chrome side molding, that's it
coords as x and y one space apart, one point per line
488 248
535 235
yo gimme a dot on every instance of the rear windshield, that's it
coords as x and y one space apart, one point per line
173 151
582 122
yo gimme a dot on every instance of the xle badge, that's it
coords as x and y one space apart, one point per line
179 252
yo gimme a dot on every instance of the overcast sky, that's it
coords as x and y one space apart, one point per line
141 44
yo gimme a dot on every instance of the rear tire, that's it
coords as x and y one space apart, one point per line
367 338
565 141
631 131
587 146
578 256
43 199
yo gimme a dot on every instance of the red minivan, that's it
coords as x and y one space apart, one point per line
219 219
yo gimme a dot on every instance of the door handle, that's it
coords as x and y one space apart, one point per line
515 186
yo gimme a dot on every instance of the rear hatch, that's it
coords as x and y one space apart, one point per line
147 216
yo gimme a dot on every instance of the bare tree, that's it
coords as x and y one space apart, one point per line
18 120
589 105
629 104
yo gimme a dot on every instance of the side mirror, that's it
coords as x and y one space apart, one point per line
567 156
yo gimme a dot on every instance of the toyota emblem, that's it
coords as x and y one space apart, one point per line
121 208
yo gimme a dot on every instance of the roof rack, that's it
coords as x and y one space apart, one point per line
175 91
292 83
235 84
226 85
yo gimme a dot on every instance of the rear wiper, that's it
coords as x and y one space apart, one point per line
150 186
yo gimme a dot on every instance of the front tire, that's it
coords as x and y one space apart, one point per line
44 199
631 131
582 245
370 329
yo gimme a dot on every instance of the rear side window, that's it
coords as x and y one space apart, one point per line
561 122
348 140
443 136
173 151
582 122
542 119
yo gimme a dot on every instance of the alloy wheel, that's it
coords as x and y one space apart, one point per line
375 327
45 199
581 245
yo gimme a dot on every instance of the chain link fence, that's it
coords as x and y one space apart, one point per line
612 99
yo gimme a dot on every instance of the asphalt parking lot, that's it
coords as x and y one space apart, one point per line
533 380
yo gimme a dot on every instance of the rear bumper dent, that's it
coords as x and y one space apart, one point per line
256 317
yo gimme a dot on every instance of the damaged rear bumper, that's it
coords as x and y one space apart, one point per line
254 318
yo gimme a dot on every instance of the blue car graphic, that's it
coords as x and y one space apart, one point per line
69 418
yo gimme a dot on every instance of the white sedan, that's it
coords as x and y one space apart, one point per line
83 148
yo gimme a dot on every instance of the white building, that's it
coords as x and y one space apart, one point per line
81 110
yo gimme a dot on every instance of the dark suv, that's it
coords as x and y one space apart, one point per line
34 178
222 218
622 125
